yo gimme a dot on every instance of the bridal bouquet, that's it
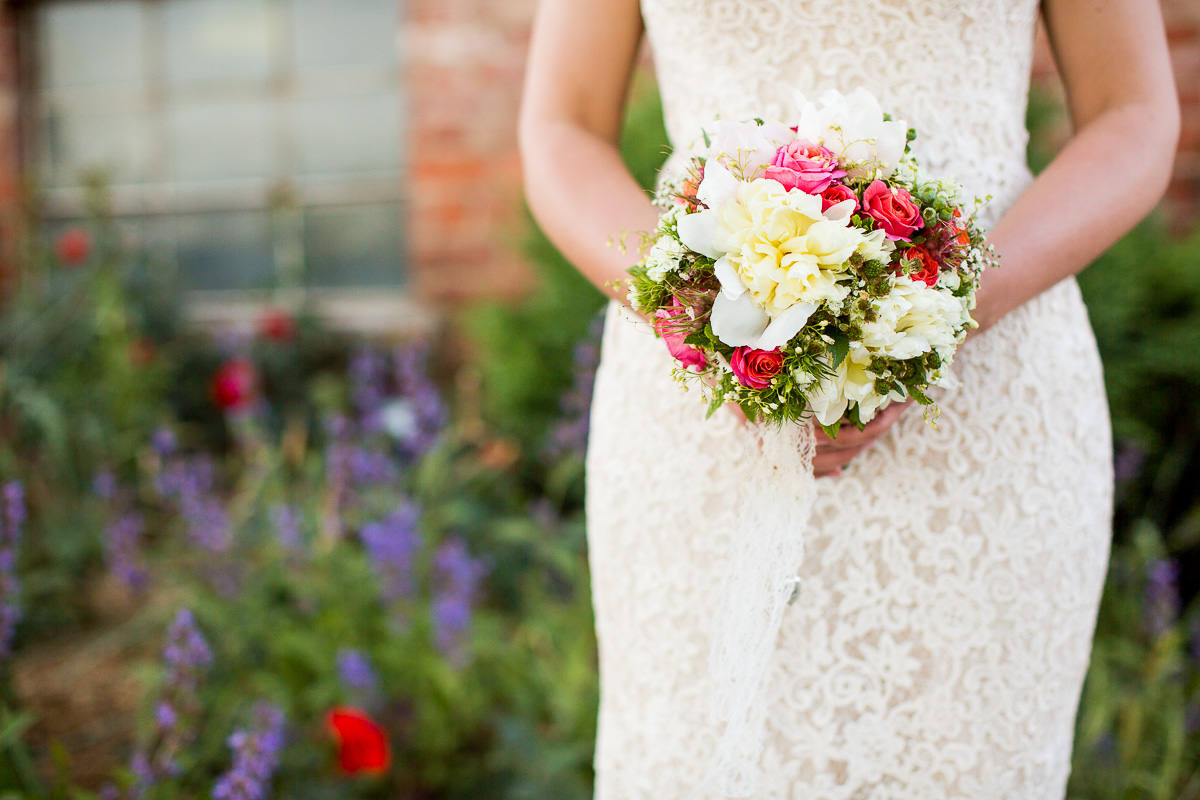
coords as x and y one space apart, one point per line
811 266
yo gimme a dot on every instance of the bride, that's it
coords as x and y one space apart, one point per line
952 574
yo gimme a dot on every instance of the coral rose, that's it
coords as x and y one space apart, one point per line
805 166
928 273
362 744
893 209
755 368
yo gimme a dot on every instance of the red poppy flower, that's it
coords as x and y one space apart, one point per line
73 247
233 384
277 325
362 745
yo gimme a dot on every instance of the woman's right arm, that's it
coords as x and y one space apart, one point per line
577 186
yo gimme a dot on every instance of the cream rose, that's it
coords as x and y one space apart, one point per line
782 247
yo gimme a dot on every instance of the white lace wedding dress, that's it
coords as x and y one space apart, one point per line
952 575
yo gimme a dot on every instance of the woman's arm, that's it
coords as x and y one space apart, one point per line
578 188
1113 58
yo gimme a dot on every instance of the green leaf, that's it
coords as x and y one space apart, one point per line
831 430
713 405
841 347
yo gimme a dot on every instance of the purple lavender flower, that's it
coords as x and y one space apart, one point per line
1160 605
12 522
165 716
186 658
417 415
164 442
190 483
255 757
569 435
371 468
104 484
1106 748
356 672
368 375
286 521
1128 462
391 544
456 582
122 548
187 655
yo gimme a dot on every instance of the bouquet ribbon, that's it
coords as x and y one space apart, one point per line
767 547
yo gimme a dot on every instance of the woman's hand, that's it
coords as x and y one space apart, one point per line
833 454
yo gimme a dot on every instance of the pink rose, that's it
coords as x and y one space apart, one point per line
671 324
893 208
836 193
805 166
755 368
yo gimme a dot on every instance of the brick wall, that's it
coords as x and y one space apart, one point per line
465 61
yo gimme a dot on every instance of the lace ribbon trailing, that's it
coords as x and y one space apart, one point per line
767 547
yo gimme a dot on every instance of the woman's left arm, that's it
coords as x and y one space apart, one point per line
1112 55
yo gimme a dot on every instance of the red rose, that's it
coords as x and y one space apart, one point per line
837 193
755 368
928 273
362 744
233 384
893 208
277 325
73 246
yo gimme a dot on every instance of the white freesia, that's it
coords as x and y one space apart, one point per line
853 127
745 148
913 319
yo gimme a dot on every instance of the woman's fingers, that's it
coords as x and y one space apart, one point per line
830 462
833 454
849 436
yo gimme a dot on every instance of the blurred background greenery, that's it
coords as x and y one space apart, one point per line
209 544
